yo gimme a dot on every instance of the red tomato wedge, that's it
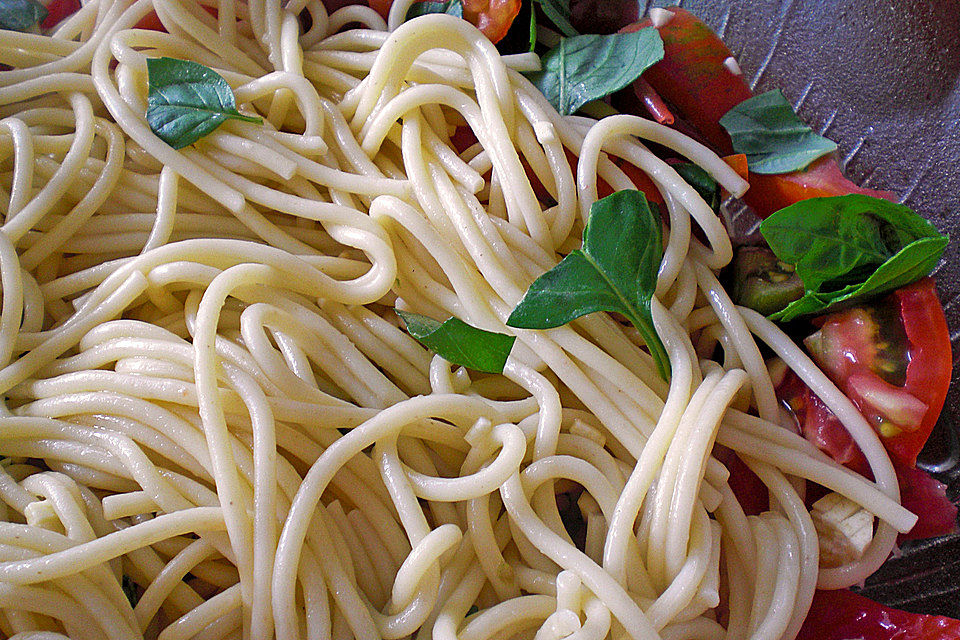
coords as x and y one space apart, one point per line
926 496
700 78
492 17
893 360
770 193
692 76
59 10
844 615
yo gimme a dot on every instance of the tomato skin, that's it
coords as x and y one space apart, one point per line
59 10
819 425
842 614
492 17
930 361
693 77
380 6
846 347
925 496
770 193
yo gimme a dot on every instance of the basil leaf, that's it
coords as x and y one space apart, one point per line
850 247
590 67
451 7
460 343
558 12
700 180
774 139
616 270
186 101
20 15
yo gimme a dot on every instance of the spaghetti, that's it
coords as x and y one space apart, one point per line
210 399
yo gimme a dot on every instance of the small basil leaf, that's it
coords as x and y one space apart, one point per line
186 101
774 139
616 270
451 7
590 67
700 180
21 15
460 343
850 247
558 12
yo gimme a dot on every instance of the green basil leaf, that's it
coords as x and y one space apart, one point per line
558 12
451 7
186 101
590 67
700 180
849 247
21 15
532 36
616 270
774 139
460 343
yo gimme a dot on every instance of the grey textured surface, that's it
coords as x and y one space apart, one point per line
882 79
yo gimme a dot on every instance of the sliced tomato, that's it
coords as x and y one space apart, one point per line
926 496
920 492
823 178
819 425
58 10
692 75
752 494
150 22
930 359
492 17
893 360
842 615
699 76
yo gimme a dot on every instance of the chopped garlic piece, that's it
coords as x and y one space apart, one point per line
845 529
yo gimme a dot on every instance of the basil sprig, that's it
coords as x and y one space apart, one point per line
590 67
20 15
616 270
849 247
187 100
774 139
460 343
450 7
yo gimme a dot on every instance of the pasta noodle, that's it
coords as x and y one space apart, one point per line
211 404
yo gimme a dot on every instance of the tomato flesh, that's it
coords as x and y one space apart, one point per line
900 390
492 17
59 10
842 614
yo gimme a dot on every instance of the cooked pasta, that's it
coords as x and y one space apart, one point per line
211 404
